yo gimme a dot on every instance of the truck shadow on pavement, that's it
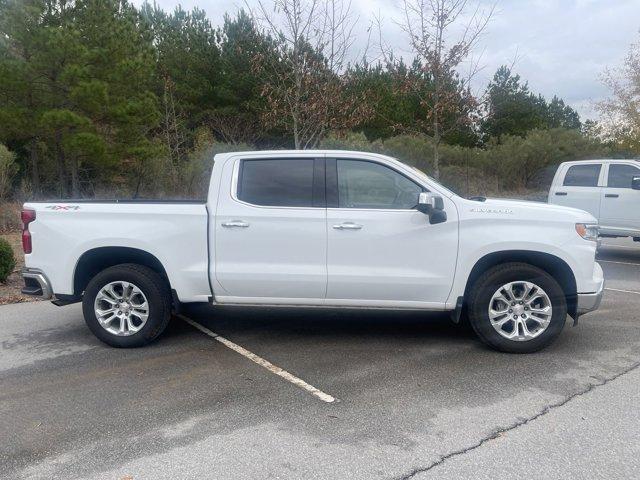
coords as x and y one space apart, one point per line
328 322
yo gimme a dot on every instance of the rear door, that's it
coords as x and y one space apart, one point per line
270 231
381 250
579 187
620 204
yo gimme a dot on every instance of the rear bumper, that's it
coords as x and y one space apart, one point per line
36 283
588 302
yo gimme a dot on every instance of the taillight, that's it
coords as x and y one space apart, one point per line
27 216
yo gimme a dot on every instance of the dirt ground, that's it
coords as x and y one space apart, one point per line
10 291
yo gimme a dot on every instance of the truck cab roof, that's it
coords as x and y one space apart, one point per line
601 160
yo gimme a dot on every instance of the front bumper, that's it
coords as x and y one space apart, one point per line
36 283
588 302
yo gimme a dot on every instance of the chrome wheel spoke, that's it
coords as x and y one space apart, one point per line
137 300
142 316
498 313
131 327
103 313
514 333
126 290
106 320
526 288
500 323
507 293
110 291
526 334
544 311
107 294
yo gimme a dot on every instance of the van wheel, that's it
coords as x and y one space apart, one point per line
127 305
517 308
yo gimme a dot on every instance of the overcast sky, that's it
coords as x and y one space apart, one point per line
561 47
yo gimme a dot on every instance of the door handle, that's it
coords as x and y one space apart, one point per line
235 223
561 194
347 226
611 195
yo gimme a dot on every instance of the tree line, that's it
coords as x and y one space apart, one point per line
99 97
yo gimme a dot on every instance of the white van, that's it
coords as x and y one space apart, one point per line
608 189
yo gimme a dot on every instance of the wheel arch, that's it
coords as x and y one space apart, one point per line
97 259
552 264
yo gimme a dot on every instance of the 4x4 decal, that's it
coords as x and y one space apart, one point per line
62 207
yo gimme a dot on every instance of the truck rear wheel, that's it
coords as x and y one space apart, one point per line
517 308
127 305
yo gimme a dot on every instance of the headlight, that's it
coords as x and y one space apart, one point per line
588 231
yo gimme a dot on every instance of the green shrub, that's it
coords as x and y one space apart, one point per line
195 173
7 260
414 150
356 141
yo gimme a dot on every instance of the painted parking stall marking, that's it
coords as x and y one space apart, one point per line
622 291
289 377
610 245
619 263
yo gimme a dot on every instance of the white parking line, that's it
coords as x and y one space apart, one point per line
619 263
622 291
620 246
325 397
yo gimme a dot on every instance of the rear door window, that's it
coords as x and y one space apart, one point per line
583 175
621 175
277 182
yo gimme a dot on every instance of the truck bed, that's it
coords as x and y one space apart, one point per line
174 232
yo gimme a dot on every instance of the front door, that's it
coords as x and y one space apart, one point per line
381 250
270 241
620 204
580 188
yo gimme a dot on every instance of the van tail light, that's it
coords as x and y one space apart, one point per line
27 216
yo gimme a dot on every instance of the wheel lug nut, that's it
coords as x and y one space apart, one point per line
513 304
515 317
523 316
511 310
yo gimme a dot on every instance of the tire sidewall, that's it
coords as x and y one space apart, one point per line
155 298
489 284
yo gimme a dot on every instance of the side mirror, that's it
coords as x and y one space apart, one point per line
433 206
635 183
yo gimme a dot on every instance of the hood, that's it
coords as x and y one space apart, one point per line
526 208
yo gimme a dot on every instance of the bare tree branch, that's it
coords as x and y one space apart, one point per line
428 25
307 78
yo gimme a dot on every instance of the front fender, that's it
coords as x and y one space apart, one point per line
479 239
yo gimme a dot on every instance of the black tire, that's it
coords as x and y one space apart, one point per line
490 281
155 289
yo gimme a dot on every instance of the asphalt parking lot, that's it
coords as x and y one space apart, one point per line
415 396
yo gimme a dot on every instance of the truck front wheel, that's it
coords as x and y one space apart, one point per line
127 305
517 308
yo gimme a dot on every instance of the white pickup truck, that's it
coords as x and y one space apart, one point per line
608 189
317 228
